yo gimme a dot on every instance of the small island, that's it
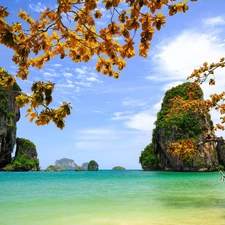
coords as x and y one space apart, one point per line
90 166
66 164
79 168
53 168
118 168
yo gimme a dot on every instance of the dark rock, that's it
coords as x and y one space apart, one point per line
9 115
220 148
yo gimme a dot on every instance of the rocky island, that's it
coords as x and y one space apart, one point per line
118 168
90 166
53 168
188 125
66 164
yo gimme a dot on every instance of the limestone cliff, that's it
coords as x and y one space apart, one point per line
66 164
220 148
9 115
190 125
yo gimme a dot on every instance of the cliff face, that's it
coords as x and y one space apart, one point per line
66 164
188 125
9 115
220 148
206 160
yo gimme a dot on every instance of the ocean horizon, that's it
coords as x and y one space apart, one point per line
110 197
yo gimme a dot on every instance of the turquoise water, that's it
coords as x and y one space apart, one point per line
111 198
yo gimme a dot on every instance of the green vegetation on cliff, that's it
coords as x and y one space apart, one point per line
148 159
23 163
175 130
182 124
25 158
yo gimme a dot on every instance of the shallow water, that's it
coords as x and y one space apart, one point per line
111 198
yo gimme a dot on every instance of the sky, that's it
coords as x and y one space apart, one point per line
112 119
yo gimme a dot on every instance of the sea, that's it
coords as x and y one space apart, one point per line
108 197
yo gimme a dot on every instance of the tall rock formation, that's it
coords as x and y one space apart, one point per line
9 115
189 125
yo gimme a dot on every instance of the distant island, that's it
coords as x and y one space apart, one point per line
66 164
118 168
53 168
90 166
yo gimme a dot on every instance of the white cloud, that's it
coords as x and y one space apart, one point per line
121 114
65 74
98 133
84 84
100 111
157 106
143 121
214 21
66 85
81 70
133 102
50 69
48 74
178 56
56 65
39 7
93 79
170 85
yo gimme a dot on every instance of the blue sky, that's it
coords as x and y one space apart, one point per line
112 120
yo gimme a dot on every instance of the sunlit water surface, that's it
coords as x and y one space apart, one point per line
111 198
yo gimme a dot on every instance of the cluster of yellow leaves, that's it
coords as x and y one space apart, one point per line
183 149
198 106
216 101
205 71
6 80
48 36
41 97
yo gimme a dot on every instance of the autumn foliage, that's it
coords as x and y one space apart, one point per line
200 107
48 37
